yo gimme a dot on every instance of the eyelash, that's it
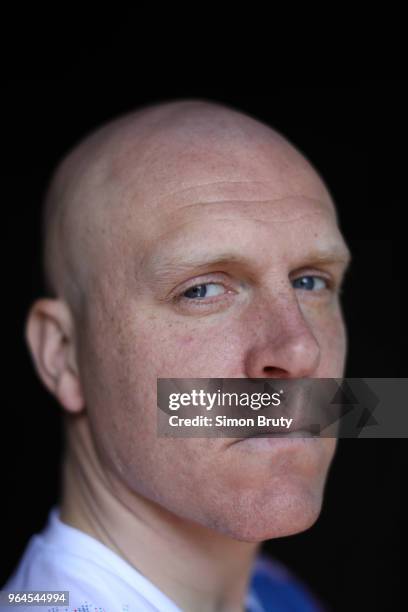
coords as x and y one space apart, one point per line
179 298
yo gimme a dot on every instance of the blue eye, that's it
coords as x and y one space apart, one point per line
310 283
201 291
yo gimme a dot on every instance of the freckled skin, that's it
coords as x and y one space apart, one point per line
190 176
241 339
265 327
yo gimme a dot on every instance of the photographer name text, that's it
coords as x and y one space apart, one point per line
223 421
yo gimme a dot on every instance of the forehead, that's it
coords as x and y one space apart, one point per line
234 224
241 199
289 225
171 201
233 203
162 175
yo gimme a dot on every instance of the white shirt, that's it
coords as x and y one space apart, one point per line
63 558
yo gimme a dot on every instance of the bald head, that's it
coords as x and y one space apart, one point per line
143 157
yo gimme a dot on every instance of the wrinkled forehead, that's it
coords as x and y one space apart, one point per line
269 200
155 217
209 224
148 190
170 169
201 222
198 227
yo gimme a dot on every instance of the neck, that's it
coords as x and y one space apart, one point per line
198 568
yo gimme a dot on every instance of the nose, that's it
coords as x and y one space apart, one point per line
283 344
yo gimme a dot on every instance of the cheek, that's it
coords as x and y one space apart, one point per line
121 359
210 348
207 348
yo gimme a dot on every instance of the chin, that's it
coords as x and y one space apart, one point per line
280 512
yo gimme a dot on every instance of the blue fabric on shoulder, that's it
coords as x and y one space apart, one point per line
274 589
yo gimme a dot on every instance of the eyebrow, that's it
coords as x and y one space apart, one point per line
166 268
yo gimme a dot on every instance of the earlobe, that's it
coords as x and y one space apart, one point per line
50 338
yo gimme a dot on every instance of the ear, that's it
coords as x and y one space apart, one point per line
50 338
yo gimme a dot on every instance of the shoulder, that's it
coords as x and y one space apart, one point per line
61 558
274 587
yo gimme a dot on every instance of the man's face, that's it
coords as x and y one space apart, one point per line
244 233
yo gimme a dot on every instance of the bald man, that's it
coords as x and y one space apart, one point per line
183 240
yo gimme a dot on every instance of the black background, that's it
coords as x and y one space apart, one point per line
354 135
